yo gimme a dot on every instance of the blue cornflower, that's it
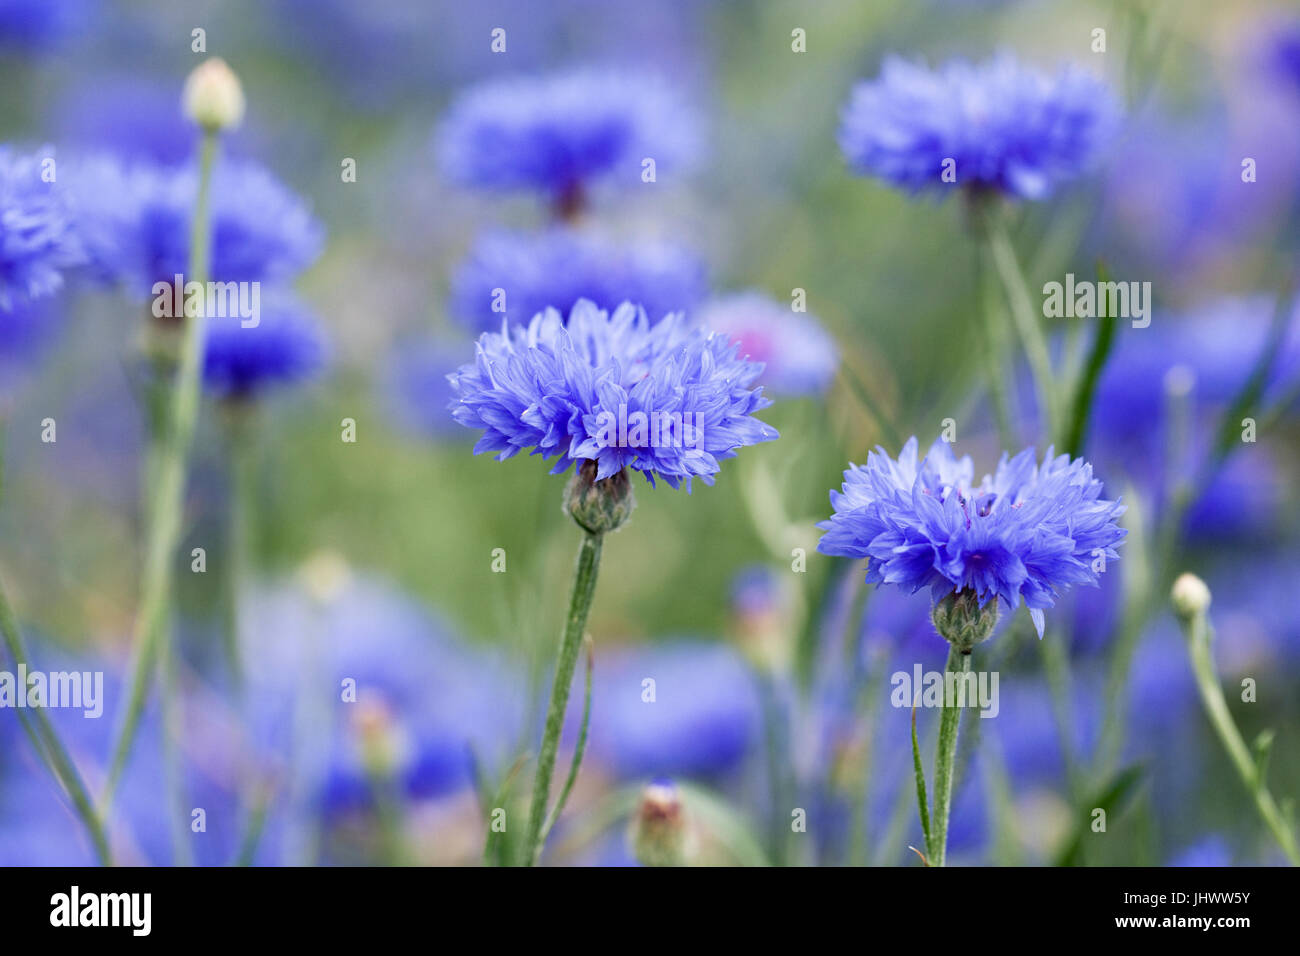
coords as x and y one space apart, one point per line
286 345
667 399
38 242
135 220
1008 128
798 356
1028 530
560 133
517 275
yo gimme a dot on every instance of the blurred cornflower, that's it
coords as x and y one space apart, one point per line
580 392
417 389
517 276
560 134
1211 353
133 116
700 721
24 331
359 688
38 238
135 220
285 346
798 356
1007 127
1027 531
29 26
1212 850
38 827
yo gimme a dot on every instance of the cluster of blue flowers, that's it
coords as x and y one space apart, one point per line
134 219
1027 531
558 389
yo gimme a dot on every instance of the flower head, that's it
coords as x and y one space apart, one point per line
516 276
798 356
285 346
37 240
1027 531
557 134
1007 127
136 222
667 399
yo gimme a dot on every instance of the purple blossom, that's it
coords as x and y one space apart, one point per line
558 134
285 346
570 391
1008 127
135 220
1027 530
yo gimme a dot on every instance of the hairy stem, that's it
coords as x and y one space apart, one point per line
584 589
945 759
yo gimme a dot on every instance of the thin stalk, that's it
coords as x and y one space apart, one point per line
945 759
45 740
173 772
584 589
993 349
1197 632
860 391
239 522
1056 666
774 738
578 749
1026 320
164 525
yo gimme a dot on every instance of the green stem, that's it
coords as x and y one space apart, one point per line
1024 316
584 589
579 749
239 522
173 772
45 740
945 759
777 752
164 524
922 801
1056 667
1197 632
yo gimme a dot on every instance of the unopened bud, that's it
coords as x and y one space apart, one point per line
1190 596
661 834
961 621
212 96
599 506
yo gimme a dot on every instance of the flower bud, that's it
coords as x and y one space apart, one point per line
599 506
660 832
213 97
961 621
325 576
1190 596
